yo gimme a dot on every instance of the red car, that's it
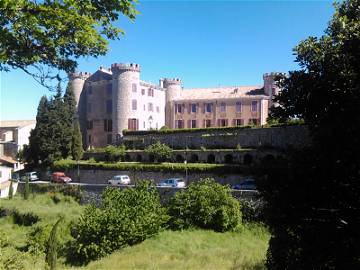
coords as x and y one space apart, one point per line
60 177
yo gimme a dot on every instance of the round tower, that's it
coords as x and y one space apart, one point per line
124 76
270 87
77 81
173 91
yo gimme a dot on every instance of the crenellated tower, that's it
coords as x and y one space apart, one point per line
77 81
124 77
173 91
270 87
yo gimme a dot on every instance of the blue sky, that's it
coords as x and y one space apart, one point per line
205 43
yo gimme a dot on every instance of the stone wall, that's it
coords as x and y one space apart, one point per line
102 176
296 136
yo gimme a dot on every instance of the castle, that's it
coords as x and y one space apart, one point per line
115 99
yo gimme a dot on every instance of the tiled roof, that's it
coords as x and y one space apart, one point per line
222 93
16 123
8 159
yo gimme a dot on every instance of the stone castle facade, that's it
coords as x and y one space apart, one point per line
116 99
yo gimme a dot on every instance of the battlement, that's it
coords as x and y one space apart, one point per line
170 81
271 75
125 67
79 75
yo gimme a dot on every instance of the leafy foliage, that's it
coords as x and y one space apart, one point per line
125 218
160 151
205 204
77 150
54 34
166 167
114 153
55 135
313 200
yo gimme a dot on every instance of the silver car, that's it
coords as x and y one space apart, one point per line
119 180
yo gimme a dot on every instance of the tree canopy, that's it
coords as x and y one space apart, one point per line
314 198
39 36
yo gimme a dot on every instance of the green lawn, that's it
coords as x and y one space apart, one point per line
191 249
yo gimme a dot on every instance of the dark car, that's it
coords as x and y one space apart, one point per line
247 184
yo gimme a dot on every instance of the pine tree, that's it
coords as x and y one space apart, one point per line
69 110
76 146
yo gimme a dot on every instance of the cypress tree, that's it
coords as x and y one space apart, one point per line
27 188
76 146
51 247
69 111
11 190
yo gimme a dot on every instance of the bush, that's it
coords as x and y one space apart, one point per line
252 210
125 218
160 151
114 153
24 219
205 204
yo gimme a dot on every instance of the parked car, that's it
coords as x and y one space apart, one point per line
31 175
172 182
119 180
247 184
60 177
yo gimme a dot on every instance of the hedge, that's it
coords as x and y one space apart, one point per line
155 167
225 129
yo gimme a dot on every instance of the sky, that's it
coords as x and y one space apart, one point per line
204 43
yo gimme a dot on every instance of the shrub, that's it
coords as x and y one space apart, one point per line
24 219
252 210
52 246
160 151
125 218
114 153
205 204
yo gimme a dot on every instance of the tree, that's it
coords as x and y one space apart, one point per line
314 199
52 246
159 151
54 34
11 190
26 188
76 145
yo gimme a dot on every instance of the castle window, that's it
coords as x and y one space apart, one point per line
109 139
208 107
150 92
238 122
192 123
193 108
254 106
89 124
207 123
134 104
150 107
109 106
144 107
109 89
134 87
222 122
143 91
178 108
238 106
179 123
144 124
107 125
223 107
253 121
133 124
157 109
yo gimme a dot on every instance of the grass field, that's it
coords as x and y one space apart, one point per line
191 249
196 249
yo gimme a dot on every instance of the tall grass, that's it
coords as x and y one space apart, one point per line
195 249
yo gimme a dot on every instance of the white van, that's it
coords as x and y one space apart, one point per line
119 180
32 176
